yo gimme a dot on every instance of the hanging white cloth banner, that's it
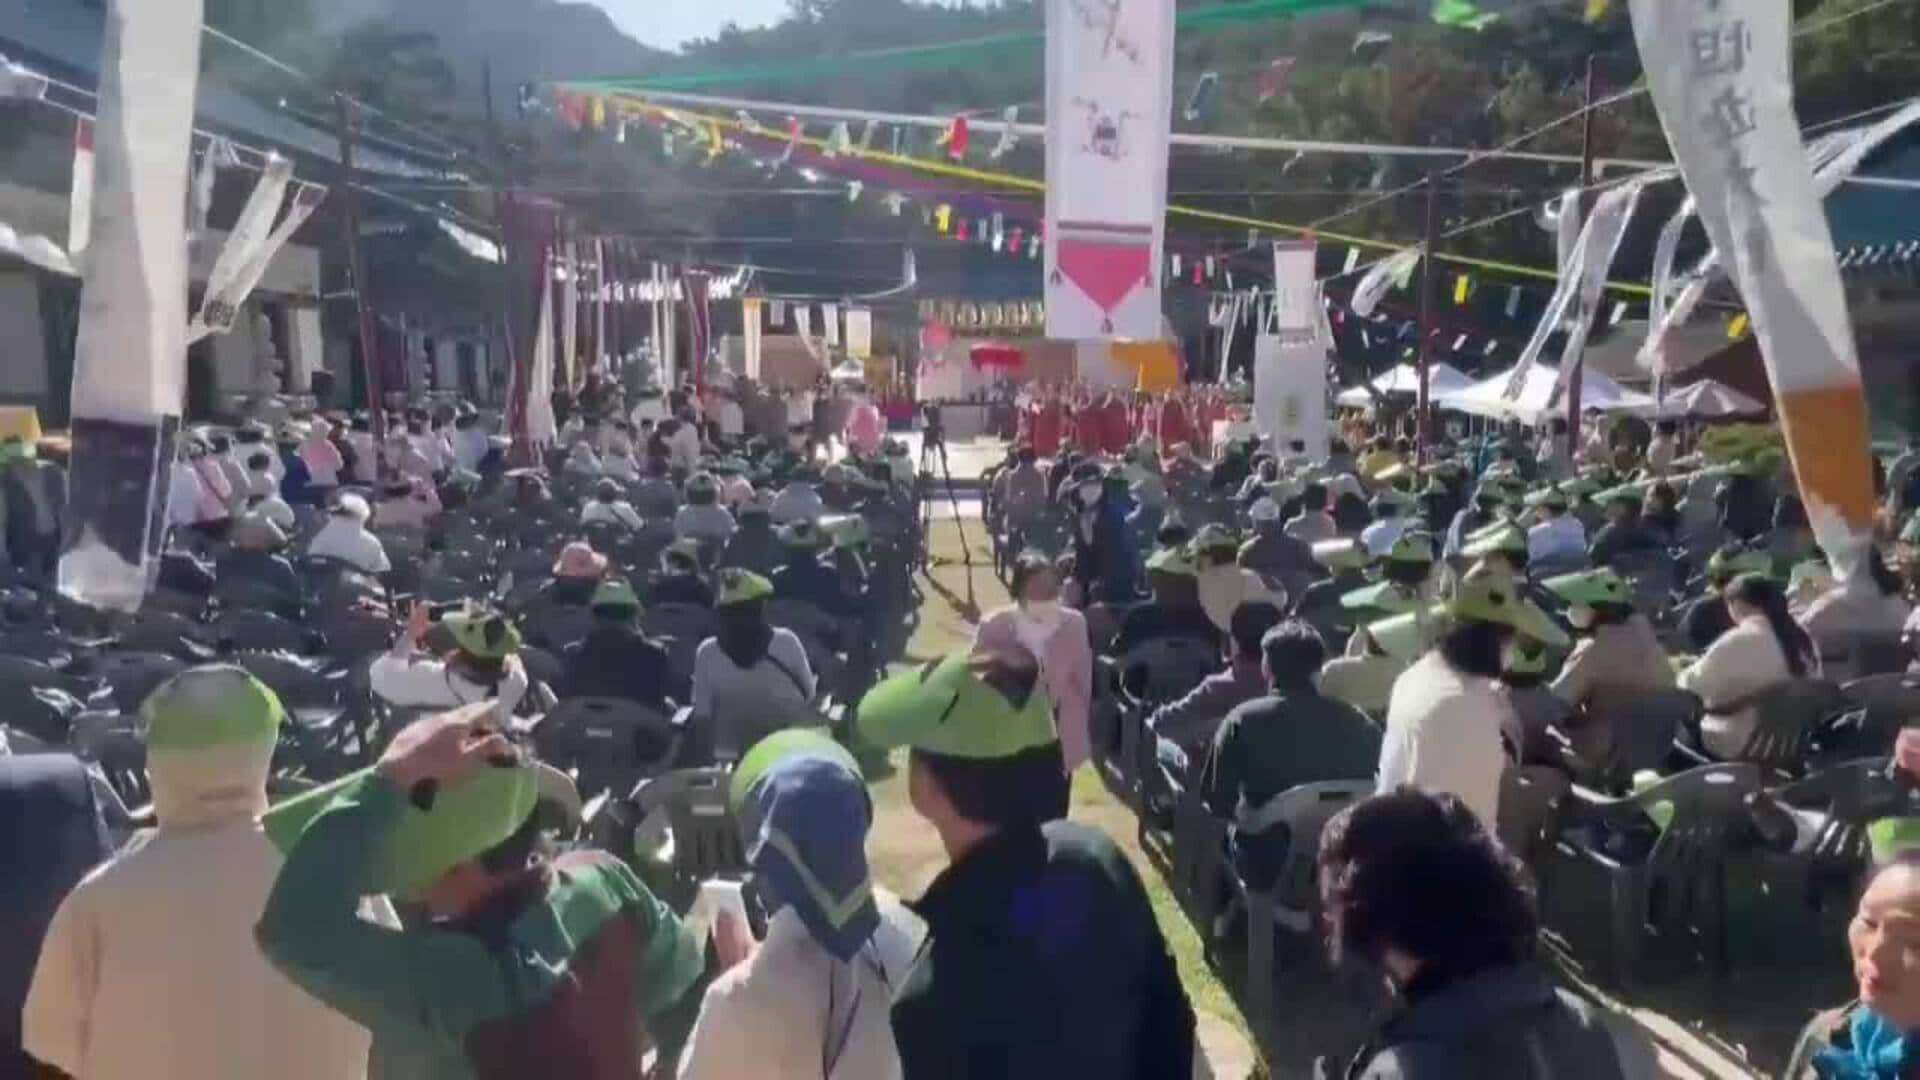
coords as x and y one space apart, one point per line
1584 272
600 306
80 194
568 360
830 324
1109 107
1721 80
249 237
541 428
803 321
859 332
1833 157
1392 272
777 314
306 199
1604 230
1290 391
129 371
1295 295
750 330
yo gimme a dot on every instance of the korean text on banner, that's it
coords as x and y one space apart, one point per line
129 372
1721 80
1109 106
1296 296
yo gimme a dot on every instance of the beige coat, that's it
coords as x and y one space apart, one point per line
149 970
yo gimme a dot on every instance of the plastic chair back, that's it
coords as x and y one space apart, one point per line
1165 669
706 840
1530 800
1889 702
1644 727
134 675
1788 715
612 743
259 630
1305 811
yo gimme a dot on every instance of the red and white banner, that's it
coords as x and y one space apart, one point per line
1109 107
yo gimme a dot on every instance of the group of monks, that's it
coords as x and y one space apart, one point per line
1053 417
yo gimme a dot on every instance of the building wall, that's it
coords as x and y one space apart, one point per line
23 371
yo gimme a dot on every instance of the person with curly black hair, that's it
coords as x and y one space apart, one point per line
1414 887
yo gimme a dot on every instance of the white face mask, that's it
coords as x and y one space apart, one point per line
1581 616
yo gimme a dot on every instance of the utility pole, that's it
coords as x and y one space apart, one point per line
1580 206
1422 426
357 279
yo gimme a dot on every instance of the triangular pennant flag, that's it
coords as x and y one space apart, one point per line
893 201
80 195
899 135
854 187
1173 263
942 216
1201 100
1737 327
1597 9
1209 267
1513 301
1274 79
747 122
955 138
1033 244
794 130
1459 342
1619 312
1462 288
1007 137
1016 243
1464 14
716 142
1353 260
1491 345
599 113
866 136
839 141
961 232
620 131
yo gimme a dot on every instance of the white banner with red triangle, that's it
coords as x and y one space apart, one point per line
1109 106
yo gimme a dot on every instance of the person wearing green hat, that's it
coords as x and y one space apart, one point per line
680 580
149 969
484 663
1705 619
1042 956
1557 540
1311 524
1223 584
1175 609
521 965
1617 659
1345 562
616 659
703 518
751 677
813 997
608 508
1501 547
1389 522
1624 533
1446 714
804 576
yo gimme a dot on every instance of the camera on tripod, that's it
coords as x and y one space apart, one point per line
933 432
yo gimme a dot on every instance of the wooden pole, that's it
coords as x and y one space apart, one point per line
357 279
1423 352
1586 181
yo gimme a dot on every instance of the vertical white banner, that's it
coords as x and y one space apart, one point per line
569 302
129 371
248 238
750 328
1721 79
1109 107
1290 392
830 323
541 428
859 332
803 321
80 191
1296 296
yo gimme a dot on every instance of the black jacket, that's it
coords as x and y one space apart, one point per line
620 662
1042 961
811 581
1507 1022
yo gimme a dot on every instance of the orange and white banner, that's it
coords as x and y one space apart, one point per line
1721 79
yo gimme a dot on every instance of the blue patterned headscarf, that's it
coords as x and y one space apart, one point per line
804 812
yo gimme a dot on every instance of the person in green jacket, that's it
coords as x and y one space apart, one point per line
521 966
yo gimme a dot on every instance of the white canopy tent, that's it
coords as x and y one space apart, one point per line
1405 379
1707 400
1488 396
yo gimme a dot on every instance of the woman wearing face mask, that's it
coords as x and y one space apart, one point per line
1618 658
1871 1038
1057 637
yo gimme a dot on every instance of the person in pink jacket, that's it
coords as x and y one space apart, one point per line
1057 637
